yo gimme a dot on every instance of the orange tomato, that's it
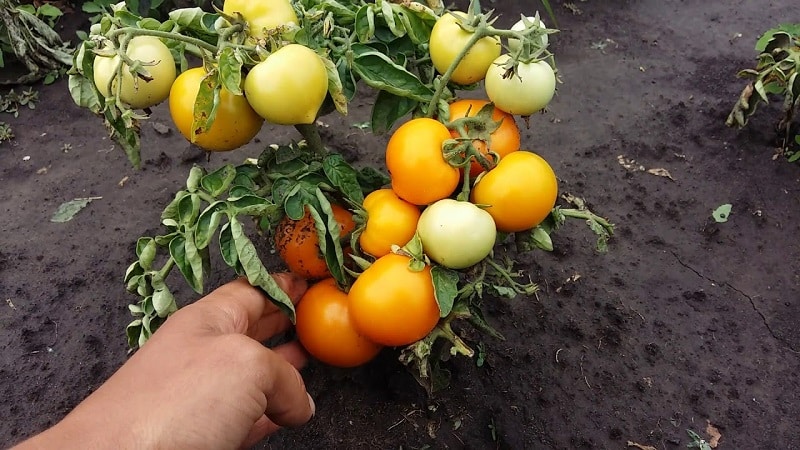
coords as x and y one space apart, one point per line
298 244
235 124
520 191
420 174
390 221
391 305
504 140
324 327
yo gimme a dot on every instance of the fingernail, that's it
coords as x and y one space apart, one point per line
312 404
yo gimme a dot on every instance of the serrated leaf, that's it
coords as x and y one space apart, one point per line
445 286
67 210
230 69
343 176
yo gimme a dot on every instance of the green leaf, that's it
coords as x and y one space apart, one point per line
133 331
189 209
335 86
218 181
479 322
207 224
146 251
164 302
127 137
445 286
227 246
194 19
388 109
328 235
67 210
193 181
417 22
135 269
365 23
184 251
372 179
381 73
253 205
230 69
84 93
170 212
205 106
343 176
722 213
254 269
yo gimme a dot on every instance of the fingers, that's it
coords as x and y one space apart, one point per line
247 310
294 353
288 403
261 429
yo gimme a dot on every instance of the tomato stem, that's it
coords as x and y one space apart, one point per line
131 31
313 139
480 33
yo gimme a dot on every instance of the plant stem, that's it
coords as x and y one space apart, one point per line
478 35
585 214
313 139
164 34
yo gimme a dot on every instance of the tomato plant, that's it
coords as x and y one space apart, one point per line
519 193
456 234
144 89
451 36
393 305
389 221
419 172
292 63
262 16
298 244
325 330
501 141
288 87
235 124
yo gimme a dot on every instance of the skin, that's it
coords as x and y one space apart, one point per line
203 381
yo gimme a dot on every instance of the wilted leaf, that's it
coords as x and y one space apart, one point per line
660 173
69 209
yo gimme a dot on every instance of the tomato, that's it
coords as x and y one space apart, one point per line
391 305
527 91
514 44
456 234
262 15
420 174
324 327
289 86
156 59
298 245
448 39
520 192
390 221
504 140
234 126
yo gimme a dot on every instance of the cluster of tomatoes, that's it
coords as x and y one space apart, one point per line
392 303
286 88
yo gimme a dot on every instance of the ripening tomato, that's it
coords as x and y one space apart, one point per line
298 245
419 172
235 123
156 59
448 39
262 15
514 44
390 221
288 87
525 91
391 305
504 140
520 192
456 234
324 327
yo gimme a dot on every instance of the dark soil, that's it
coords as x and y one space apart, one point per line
683 322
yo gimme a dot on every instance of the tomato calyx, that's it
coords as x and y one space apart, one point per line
461 151
415 252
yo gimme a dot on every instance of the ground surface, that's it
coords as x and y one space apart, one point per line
684 321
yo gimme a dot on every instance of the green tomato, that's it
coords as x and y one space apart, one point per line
289 86
136 92
262 15
456 234
529 89
514 44
448 39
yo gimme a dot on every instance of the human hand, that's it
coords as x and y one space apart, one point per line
202 381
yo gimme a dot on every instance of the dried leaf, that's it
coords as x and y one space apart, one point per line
69 209
640 446
123 181
660 173
629 164
714 433
11 304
